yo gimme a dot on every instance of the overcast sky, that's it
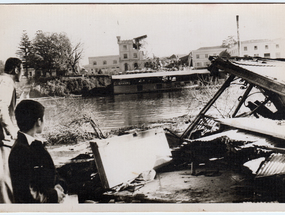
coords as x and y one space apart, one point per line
170 28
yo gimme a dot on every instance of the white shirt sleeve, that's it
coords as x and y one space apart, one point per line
6 94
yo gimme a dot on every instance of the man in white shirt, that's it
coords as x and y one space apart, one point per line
12 73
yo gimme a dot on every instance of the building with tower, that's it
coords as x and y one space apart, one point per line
130 58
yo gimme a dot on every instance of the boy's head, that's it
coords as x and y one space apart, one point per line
29 113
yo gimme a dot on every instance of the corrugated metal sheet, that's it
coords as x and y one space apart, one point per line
274 165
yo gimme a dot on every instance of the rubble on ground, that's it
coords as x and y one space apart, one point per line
237 155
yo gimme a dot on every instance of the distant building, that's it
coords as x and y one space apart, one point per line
253 48
103 65
129 58
201 55
260 48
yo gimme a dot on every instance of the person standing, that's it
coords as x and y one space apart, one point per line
12 73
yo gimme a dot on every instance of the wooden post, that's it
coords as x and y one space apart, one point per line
207 107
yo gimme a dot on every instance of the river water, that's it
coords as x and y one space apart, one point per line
118 111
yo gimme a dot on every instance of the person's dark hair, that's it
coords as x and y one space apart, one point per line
27 113
11 64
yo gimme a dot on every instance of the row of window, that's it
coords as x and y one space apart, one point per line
245 49
206 55
135 55
105 62
256 47
277 55
267 55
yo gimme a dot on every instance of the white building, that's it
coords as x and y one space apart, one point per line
253 48
201 55
129 58
260 48
103 65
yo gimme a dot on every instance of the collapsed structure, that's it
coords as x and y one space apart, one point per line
249 133
260 91
232 151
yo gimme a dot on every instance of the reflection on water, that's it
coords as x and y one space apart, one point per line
117 111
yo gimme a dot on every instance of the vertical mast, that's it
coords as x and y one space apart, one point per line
239 46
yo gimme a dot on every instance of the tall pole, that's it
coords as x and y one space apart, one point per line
239 46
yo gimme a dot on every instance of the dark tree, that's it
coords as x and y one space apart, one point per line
25 52
44 52
52 52
64 47
49 52
74 56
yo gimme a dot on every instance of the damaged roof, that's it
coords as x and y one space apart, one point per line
268 74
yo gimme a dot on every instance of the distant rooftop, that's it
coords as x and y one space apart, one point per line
211 47
256 41
246 41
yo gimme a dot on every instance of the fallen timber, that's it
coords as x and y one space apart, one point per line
238 158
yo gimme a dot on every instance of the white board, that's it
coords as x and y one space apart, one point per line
274 128
123 158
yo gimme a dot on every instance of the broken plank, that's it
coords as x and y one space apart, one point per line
123 158
269 127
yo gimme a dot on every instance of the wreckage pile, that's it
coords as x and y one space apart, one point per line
237 156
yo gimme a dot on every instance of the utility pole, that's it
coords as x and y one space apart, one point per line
239 46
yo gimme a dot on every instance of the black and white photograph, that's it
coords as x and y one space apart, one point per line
142 107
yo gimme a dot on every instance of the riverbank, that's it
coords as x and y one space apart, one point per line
64 86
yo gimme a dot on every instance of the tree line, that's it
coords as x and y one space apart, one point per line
49 52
